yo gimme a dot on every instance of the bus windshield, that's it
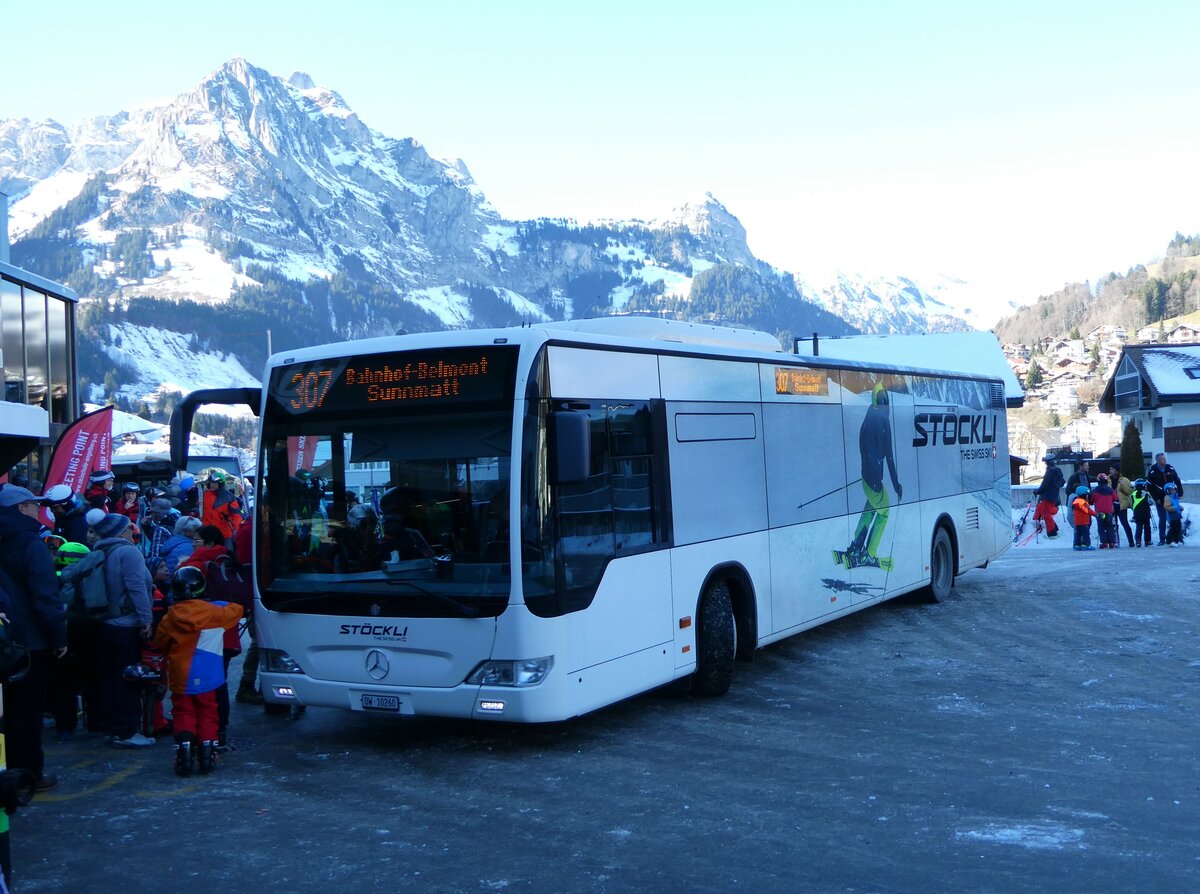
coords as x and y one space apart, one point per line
383 495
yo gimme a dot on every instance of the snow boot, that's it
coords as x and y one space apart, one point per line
185 754
206 757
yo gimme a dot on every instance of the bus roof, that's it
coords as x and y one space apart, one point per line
631 331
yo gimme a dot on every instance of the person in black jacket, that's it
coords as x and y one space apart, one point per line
1049 499
1159 476
39 623
68 510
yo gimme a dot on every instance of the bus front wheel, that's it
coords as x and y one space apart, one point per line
716 641
941 566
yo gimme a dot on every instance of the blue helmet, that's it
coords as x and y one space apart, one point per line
1081 491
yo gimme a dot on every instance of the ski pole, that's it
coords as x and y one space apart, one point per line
829 493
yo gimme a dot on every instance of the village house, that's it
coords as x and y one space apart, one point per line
1183 334
1157 387
1152 334
1095 431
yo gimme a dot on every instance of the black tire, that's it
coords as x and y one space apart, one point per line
941 567
716 641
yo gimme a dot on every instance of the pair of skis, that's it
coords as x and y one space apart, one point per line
1021 524
1037 530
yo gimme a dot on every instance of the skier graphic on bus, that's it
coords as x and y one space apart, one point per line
875 449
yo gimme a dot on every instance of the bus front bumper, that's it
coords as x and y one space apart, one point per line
512 704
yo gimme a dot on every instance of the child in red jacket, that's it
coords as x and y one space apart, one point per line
1083 518
1104 500
191 635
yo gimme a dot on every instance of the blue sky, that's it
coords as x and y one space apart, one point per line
1018 146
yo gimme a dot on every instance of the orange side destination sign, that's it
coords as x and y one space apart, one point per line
794 380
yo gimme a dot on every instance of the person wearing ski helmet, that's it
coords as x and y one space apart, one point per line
221 507
99 492
69 673
191 636
189 496
1081 476
68 510
158 524
128 503
1104 499
1140 501
1173 508
68 554
1049 497
1082 509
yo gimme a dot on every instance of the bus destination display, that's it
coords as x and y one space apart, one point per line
794 380
424 378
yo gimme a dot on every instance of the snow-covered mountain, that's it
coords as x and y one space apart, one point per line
901 304
255 203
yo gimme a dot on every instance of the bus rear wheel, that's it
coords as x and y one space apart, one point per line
716 641
941 567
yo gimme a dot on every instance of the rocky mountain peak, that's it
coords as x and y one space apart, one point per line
709 218
301 80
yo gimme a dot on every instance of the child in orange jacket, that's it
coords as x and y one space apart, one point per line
1083 518
192 636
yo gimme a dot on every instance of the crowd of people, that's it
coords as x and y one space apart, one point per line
1110 499
128 603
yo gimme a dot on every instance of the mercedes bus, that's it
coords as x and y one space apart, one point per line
572 513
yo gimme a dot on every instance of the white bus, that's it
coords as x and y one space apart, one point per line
578 512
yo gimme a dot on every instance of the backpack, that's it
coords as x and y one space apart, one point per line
227 581
83 588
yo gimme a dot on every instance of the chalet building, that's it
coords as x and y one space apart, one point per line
1157 387
37 352
1016 352
1184 334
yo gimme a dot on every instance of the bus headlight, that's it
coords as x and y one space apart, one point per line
523 672
277 661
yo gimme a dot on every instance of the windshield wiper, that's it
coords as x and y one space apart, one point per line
465 609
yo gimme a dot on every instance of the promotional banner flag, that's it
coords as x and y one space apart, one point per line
83 448
301 453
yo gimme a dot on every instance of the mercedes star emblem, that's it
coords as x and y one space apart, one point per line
377 665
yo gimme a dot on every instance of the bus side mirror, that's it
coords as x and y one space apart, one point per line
570 447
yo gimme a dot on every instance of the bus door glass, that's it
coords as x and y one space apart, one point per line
576 529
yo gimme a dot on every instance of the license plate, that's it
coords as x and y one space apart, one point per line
381 703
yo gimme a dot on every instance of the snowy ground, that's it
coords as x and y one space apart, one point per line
1035 731
1065 539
